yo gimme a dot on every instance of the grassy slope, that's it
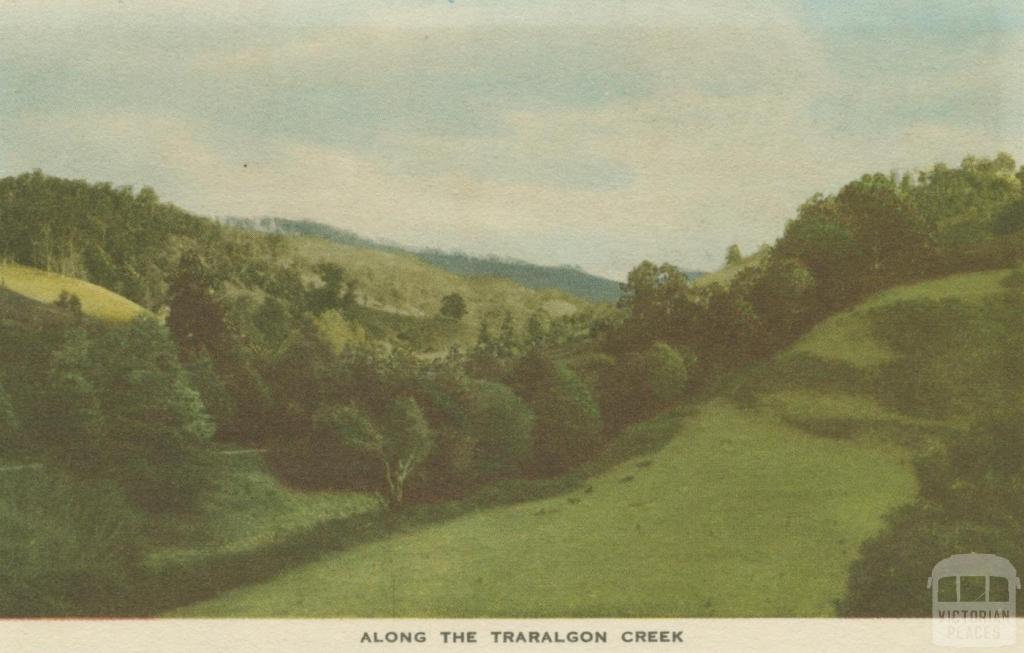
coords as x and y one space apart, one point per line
838 395
746 512
573 281
246 511
738 515
401 295
46 287
725 275
847 336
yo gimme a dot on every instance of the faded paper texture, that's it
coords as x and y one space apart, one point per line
464 309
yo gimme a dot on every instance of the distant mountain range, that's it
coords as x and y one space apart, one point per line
566 278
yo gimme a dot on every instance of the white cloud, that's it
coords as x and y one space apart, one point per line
595 133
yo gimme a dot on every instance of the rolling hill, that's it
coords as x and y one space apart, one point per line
571 280
755 501
399 296
46 287
847 336
736 501
726 274
756 506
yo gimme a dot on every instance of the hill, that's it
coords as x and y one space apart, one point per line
802 391
756 506
739 515
53 522
938 367
398 296
849 336
571 280
128 242
726 274
46 287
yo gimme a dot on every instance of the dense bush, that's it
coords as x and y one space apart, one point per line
876 232
970 501
639 384
120 407
500 426
9 427
68 546
970 484
567 428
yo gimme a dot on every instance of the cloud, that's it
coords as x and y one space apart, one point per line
595 133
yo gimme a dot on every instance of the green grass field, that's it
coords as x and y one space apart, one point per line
46 287
246 511
847 336
739 515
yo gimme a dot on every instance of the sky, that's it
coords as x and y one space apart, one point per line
589 133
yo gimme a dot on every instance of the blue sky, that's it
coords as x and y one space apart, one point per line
592 133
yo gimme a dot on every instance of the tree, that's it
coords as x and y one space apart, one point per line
302 372
1010 220
828 247
501 426
733 256
639 384
888 228
123 409
9 427
781 294
407 443
400 445
217 400
731 330
274 321
196 319
660 304
453 306
334 292
567 426
70 303
668 373
73 427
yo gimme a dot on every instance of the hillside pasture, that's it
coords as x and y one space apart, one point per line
849 337
757 505
739 515
399 294
46 287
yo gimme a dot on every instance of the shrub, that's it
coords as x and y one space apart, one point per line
640 384
501 425
70 303
668 372
9 427
453 306
567 429
69 547
121 408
